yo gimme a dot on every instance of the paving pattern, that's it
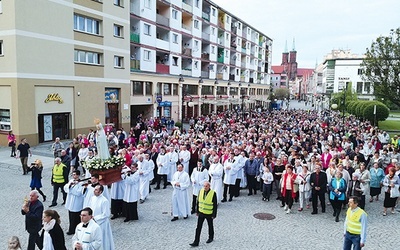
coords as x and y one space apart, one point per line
235 225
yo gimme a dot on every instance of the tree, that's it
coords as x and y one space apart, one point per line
281 93
339 97
382 66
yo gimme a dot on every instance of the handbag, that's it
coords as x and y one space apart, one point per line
394 192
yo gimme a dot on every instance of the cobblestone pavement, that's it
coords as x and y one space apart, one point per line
235 226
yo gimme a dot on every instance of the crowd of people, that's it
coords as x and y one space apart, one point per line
302 156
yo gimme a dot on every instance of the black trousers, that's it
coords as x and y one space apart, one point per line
288 199
116 207
34 239
194 203
231 191
74 220
337 206
130 210
164 178
200 220
251 183
57 186
237 187
318 194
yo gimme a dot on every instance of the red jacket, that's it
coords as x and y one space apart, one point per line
283 189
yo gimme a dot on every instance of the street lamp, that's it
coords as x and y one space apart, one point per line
344 100
180 116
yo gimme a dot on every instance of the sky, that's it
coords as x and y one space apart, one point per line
318 26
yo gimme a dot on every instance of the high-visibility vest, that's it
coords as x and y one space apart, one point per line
206 204
353 224
58 173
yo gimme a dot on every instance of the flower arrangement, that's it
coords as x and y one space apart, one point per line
101 165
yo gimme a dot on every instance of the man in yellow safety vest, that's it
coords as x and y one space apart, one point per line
206 210
355 226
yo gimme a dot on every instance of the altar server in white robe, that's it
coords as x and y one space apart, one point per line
184 157
74 202
144 169
180 196
150 163
101 213
131 196
216 171
173 159
231 168
88 233
162 168
198 177
117 195
94 181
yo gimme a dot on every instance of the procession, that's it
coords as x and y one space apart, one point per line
300 164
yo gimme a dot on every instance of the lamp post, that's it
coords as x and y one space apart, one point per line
229 95
180 106
344 100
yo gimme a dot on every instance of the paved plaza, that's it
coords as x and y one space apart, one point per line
235 226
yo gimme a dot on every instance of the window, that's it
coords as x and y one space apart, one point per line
196 45
211 67
212 49
227 36
167 89
227 19
5 118
1 47
119 3
118 62
213 31
196 24
367 87
147 4
226 53
118 30
148 88
86 24
359 87
1 7
147 54
174 14
137 88
175 61
87 57
147 29
213 11
175 38
360 71
196 64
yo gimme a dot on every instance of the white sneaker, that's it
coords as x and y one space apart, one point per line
288 211
286 207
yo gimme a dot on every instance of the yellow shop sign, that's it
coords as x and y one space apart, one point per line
53 98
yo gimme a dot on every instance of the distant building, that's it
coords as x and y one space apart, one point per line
288 75
338 69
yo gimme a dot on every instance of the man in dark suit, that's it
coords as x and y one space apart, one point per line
318 182
33 211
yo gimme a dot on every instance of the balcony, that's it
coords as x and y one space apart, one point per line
186 72
205 36
259 69
220 76
162 20
205 74
162 68
220 59
186 28
259 56
244 50
205 16
186 51
135 65
205 56
162 44
135 38
187 7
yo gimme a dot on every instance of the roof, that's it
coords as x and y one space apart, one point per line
277 69
304 72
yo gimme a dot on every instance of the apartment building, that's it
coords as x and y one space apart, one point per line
62 64
192 57
339 68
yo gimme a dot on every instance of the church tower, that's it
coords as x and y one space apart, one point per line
293 63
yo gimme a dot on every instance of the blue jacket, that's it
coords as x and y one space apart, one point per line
342 189
251 168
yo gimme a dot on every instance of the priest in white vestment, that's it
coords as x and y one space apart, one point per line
101 213
216 171
88 233
184 157
180 196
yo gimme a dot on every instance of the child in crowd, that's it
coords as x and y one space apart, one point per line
14 244
268 178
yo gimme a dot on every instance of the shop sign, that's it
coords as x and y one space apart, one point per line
55 97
